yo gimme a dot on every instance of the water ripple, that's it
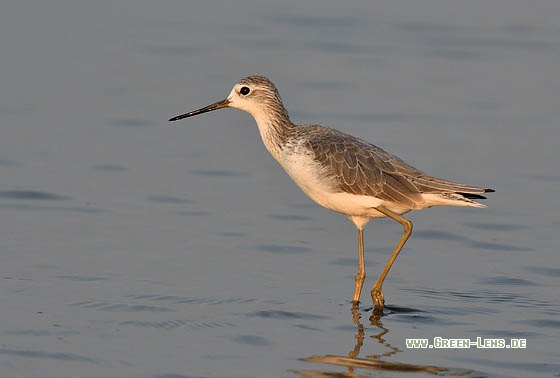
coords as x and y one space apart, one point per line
172 324
162 198
40 332
251 340
306 21
26 353
507 281
443 235
425 319
120 307
82 278
278 314
494 43
545 271
543 323
72 209
197 300
167 324
32 195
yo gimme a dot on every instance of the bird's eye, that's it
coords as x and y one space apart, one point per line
244 91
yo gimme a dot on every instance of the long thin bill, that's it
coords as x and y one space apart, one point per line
217 105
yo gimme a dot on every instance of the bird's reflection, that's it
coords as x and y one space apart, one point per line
371 362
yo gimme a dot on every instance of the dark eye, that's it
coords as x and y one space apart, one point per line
244 91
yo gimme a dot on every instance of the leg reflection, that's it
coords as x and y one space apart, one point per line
375 320
371 362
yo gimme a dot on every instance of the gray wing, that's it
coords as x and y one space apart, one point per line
361 168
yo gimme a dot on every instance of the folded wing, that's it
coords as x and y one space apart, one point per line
361 168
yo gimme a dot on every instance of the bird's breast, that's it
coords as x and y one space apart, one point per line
319 183
307 173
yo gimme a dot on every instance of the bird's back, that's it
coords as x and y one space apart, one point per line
357 167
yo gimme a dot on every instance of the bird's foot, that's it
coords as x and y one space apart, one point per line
378 301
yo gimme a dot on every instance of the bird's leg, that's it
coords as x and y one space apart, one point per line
361 274
376 290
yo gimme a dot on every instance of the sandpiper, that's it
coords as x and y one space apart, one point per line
343 173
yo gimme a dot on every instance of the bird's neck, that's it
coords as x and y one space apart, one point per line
275 128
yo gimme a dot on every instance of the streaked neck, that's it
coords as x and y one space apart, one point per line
275 127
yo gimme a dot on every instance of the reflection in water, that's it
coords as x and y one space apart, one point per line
372 362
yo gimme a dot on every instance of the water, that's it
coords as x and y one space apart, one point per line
135 247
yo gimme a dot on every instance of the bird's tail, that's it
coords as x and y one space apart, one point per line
457 198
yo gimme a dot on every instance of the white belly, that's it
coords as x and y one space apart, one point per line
315 181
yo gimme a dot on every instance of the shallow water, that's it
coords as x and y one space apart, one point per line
134 247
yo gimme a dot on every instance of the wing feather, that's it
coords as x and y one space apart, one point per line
360 168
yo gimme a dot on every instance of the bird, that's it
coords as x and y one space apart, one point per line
344 173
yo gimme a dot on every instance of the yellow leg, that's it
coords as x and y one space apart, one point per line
361 274
376 290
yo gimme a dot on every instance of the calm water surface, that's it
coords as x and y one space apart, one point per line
131 247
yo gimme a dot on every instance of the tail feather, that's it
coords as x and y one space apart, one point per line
471 195
429 184
456 198
475 196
